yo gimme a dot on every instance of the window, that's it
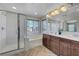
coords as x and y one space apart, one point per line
29 25
71 27
44 27
32 25
35 26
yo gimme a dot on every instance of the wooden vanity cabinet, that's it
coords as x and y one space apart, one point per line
61 46
54 44
64 47
74 48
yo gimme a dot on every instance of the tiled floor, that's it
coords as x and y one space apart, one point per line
34 48
36 51
28 45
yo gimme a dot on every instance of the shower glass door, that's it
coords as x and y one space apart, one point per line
8 32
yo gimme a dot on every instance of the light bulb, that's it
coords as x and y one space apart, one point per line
53 13
56 12
63 9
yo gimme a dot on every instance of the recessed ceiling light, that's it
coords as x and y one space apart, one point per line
36 13
48 16
14 7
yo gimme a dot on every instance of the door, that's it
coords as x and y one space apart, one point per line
44 40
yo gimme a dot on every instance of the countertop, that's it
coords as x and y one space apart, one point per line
71 37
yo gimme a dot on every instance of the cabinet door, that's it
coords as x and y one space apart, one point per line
44 40
74 48
64 47
55 44
48 41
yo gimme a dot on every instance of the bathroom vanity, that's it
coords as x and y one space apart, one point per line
61 45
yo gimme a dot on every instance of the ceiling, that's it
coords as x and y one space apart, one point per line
30 9
36 9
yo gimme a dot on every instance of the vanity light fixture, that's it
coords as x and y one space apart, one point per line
57 11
